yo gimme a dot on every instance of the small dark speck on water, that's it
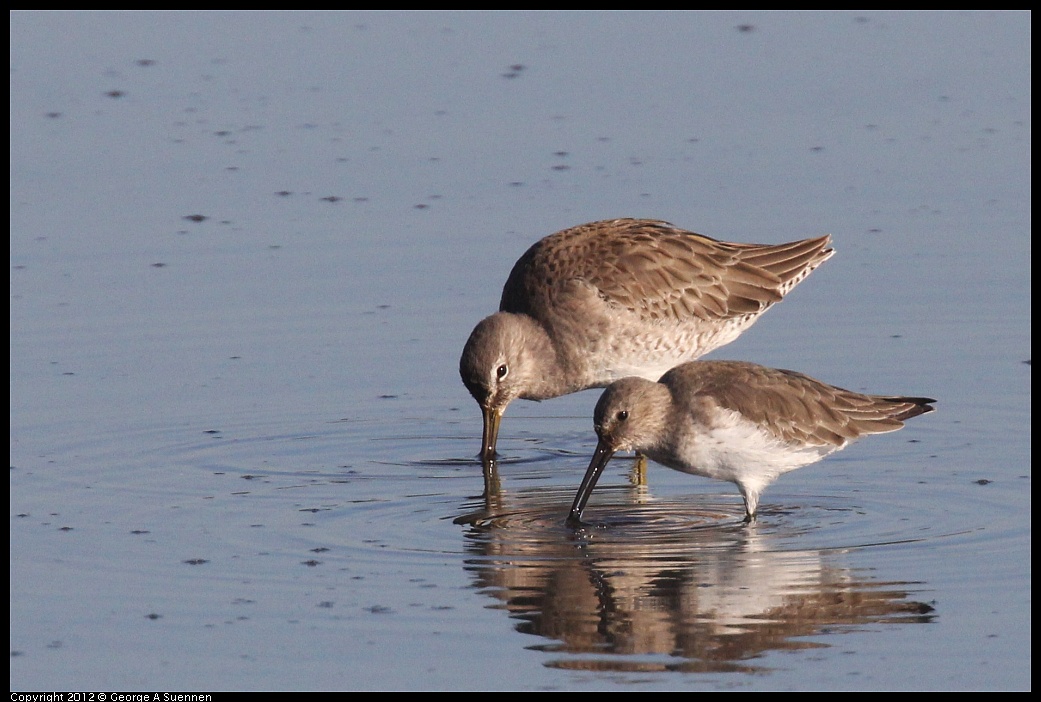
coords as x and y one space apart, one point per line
514 71
158 265
311 564
145 62
746 28
379 609
115 93
196 561
984 481
195 218
332 198
388 397
53 115
153 616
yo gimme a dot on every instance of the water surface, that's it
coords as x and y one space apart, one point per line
246 250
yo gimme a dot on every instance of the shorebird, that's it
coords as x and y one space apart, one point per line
735 421
605 300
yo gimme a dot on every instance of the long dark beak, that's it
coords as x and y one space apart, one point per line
601 457
490 435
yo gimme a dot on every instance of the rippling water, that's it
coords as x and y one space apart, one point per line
241 456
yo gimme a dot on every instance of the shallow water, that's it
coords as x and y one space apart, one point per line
247 248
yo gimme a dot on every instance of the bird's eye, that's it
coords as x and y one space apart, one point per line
502 371
622 415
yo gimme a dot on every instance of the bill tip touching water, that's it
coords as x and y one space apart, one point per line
601 301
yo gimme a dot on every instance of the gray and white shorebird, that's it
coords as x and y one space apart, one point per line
735 421
624 297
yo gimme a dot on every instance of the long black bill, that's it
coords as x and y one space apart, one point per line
596 466
490 435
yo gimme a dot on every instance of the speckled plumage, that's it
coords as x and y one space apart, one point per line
605 300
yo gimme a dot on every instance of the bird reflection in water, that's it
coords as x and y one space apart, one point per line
662 586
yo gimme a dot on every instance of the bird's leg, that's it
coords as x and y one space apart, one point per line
638 475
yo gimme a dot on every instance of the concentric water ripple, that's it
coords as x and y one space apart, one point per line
338 504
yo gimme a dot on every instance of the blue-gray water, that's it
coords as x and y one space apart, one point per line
246 250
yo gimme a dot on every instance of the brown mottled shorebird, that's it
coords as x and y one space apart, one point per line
736 421
602 301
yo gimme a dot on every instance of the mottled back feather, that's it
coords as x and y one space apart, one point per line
795 407
658 271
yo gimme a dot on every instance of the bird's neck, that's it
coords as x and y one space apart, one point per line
546 367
